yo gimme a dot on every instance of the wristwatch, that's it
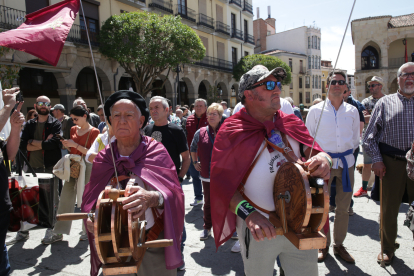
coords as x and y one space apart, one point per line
160 199
180 179
195 162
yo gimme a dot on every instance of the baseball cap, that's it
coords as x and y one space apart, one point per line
58 106
377 79
257 74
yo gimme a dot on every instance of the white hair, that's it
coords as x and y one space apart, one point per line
161 99
77 100
126 101
403 66
290 100
201 100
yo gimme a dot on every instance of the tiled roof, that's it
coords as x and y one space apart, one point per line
401 21
370 18
276 51
395 22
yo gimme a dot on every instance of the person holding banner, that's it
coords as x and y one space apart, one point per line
8 152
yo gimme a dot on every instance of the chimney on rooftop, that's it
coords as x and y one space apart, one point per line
258 14
269 20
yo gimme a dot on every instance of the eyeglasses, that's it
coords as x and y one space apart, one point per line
270 85
212 114
373 85
43 103
406 75
340 82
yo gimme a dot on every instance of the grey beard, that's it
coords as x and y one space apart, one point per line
409 91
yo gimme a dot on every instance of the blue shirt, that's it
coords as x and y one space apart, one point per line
101 126
359 106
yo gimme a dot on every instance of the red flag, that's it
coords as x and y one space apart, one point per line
44 32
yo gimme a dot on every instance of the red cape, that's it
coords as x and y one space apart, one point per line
235 147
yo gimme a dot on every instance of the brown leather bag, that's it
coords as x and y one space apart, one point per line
75 166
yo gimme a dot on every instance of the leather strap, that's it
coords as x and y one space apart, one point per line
120 178
254 205
287 153
246 176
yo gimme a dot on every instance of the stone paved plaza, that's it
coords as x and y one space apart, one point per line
71 257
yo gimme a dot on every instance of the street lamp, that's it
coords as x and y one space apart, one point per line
220 91
39 77
128 84
178 70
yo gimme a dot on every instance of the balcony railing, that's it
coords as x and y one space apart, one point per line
302 70
247 7
134 3
236 2
185 12
161 5
249 39
396 62
11 18
237 34
215 63
222 28
307 85
206 21
77 34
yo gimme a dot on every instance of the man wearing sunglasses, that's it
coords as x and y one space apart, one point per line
375 88
389 136
241 138
41 144
338 135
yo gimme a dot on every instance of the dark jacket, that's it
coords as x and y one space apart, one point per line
51 148
193 124
94 120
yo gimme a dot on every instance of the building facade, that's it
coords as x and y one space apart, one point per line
224 27
297 90
380 46
303 41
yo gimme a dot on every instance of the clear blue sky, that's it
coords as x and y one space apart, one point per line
331 16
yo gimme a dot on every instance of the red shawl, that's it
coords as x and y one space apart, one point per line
235 147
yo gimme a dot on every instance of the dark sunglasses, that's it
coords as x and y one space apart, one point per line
340 82
373 85
270 85
43 103
405 75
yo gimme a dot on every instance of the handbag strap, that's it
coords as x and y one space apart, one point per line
87 139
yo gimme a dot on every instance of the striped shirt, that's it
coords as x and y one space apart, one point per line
392 123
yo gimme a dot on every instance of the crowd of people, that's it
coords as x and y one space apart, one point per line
232 157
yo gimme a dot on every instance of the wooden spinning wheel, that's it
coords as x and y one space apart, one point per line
300 210
120 240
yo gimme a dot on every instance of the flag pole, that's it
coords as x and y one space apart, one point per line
99 90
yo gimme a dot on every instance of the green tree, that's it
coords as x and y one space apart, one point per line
8 73
146 44
248 62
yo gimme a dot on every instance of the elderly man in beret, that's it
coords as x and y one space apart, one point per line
153 188
241 155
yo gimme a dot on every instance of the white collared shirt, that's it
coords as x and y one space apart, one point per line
338 131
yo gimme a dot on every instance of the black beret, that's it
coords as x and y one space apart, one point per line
129 95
